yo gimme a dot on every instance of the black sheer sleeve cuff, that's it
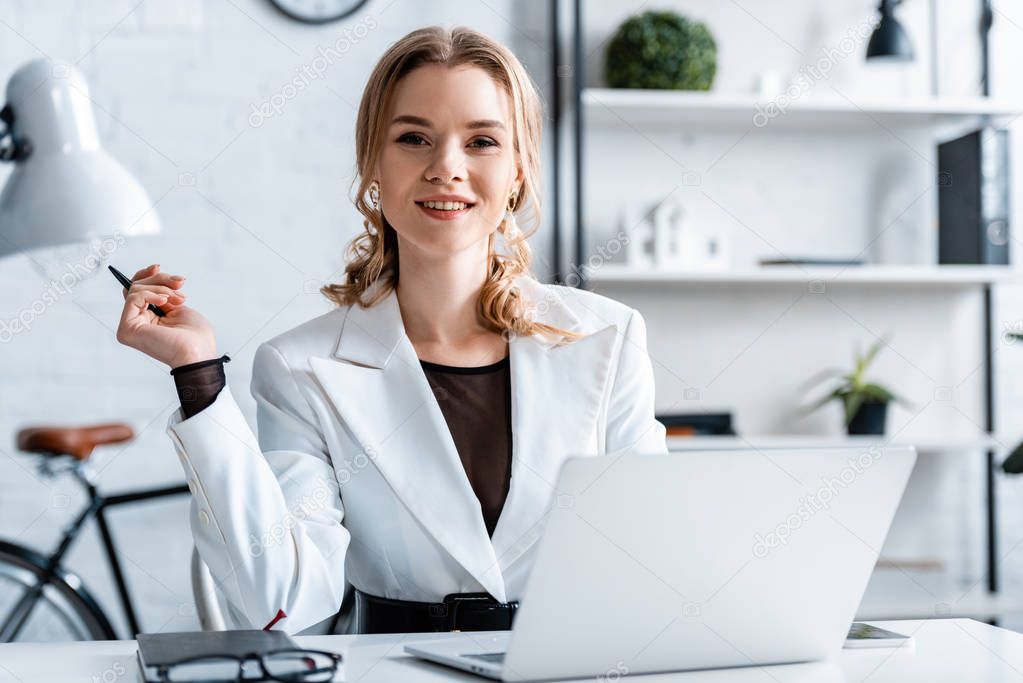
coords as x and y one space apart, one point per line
199 383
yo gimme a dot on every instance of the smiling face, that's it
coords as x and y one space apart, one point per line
450 135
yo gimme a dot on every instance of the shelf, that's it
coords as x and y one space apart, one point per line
866 274
837 114
914 594
929 445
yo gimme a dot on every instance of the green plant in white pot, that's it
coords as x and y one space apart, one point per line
661 50
865 404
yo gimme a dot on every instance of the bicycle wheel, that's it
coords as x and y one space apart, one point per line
63 611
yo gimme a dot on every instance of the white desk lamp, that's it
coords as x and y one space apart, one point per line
64 188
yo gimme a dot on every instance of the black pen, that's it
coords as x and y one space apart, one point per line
126 283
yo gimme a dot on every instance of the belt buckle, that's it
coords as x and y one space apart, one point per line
452 602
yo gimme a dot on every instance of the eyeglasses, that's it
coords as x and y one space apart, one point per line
289 666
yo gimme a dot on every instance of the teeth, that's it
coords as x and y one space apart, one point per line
445 206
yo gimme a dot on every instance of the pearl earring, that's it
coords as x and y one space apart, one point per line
511 227
374 194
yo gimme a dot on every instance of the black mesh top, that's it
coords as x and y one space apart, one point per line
475 402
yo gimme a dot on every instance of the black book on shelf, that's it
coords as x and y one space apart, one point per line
161 649
697 424
973 198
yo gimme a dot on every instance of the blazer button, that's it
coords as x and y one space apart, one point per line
203 517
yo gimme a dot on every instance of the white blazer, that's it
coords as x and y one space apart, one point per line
354 476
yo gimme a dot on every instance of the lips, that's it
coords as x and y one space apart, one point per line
444 214
422 203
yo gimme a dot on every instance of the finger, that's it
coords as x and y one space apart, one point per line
162 289
135 313
165 279
148 270
159 289
173 301
139 301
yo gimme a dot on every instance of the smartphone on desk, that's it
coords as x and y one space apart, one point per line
865 635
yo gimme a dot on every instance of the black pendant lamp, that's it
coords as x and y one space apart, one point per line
889 40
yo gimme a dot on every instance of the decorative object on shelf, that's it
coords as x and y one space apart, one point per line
705 248
317 11
889 41
768 84
865 403
661 239
639 252
661 51
668 252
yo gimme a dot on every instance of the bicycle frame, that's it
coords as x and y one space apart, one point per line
96 507
108 540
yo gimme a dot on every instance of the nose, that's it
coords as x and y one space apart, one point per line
447 163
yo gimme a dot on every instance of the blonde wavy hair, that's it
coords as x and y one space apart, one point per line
373 254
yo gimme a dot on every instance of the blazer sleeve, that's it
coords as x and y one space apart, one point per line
630 415
266 512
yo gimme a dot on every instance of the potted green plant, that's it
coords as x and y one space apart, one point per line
661 50
865 403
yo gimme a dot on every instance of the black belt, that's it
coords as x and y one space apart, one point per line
457 612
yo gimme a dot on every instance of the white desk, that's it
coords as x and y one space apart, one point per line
958 650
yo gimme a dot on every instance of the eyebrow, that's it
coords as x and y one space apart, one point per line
420 121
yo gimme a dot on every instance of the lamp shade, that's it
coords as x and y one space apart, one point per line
67 190
889 40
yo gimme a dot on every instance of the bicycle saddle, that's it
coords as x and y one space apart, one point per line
74 441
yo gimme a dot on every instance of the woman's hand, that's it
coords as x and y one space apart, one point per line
182 336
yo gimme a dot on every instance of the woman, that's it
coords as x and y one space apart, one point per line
409 441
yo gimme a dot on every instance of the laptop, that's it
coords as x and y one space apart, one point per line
693 560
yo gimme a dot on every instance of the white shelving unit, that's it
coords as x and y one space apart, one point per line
861 274
893 592
770 441
838 114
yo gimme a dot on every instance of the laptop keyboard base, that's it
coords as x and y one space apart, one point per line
489 657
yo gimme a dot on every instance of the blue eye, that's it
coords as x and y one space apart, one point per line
490 143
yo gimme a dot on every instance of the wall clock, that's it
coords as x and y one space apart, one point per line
317 11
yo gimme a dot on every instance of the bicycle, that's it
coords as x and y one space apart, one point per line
39 599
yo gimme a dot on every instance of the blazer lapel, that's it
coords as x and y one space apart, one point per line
379 389
384 398
557 391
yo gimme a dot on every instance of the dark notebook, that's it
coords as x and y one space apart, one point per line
156 649
811 262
